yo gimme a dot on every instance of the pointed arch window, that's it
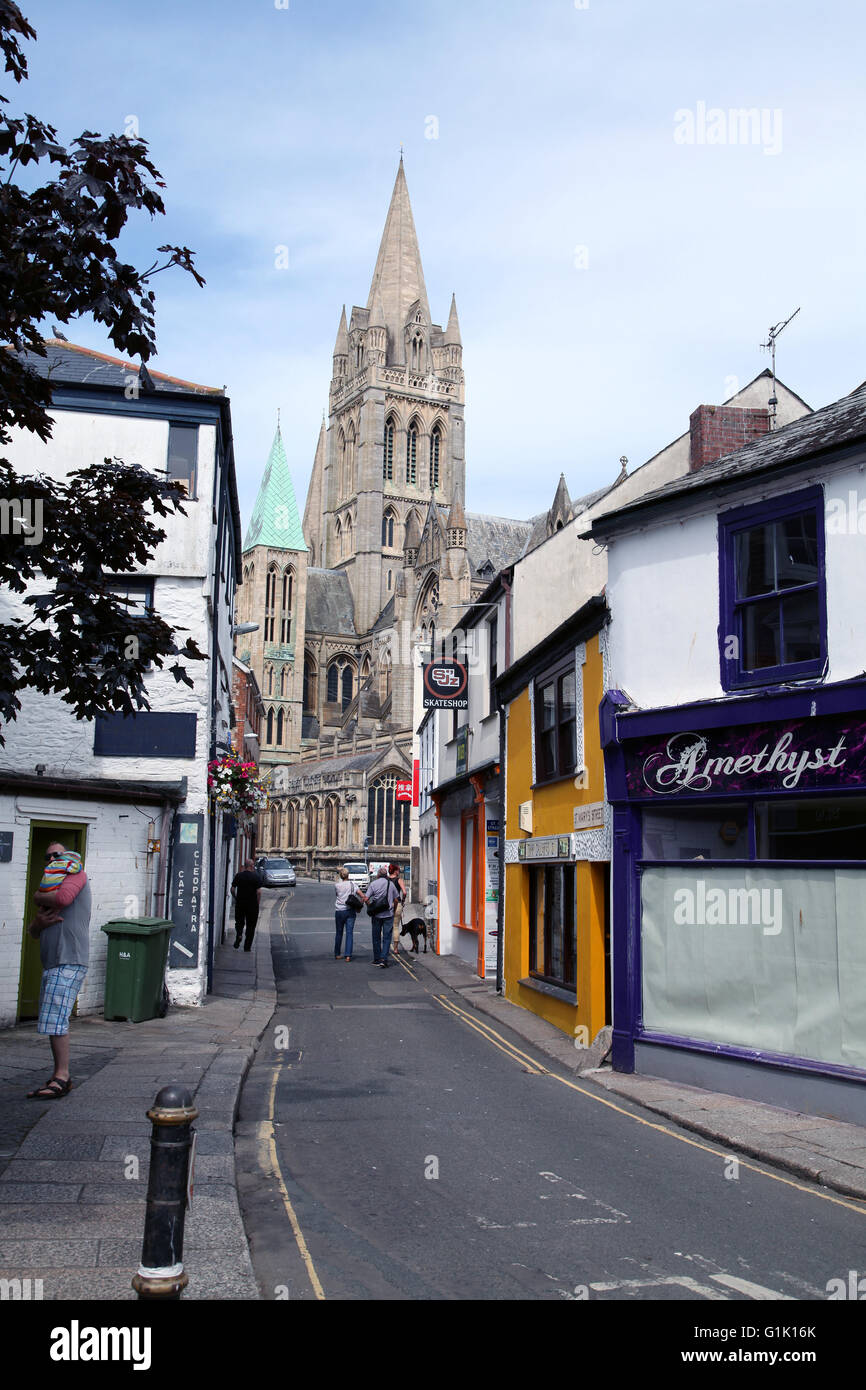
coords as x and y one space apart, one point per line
312 822
283 684
349 477
270 603
412 454
292 826
310 683
388 530
287 601
280 729
346 683
333 683
341 446
388 457
435 456
270 730
270 680
338 539
347 538
387 818
275 827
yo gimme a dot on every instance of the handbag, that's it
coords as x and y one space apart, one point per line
354 902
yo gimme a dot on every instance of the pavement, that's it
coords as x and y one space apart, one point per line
73 1173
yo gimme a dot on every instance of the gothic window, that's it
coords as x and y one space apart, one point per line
270 680
338 539
270 603
312 821
435 455
349 477
346 682
331 821
412 454
387 818
310 683
365 670
388 458
283 684
287 597
270 737
341 446
333 683
389 579
280 729
418 352
347 538
292 827
388 530
275 827
359 354
384 679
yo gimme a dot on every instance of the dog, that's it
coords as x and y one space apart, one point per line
415 929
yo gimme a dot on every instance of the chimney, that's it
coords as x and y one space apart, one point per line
718 430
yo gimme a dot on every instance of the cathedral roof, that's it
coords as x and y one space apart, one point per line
330 607
275 521
497 539
398 280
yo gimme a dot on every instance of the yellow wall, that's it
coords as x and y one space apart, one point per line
553 814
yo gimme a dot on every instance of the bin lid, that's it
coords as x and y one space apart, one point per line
136 926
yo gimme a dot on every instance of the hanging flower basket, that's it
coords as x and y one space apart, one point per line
235 786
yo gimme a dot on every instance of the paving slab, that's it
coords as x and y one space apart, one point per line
68 1214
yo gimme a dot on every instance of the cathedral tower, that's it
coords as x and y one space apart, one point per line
394 440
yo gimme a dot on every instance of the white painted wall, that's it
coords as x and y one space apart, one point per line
663 590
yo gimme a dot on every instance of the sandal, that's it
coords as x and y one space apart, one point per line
52 1090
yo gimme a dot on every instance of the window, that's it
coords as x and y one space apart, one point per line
468 871
270 603
388 530
346 684
270 734
773 610
435 454
556 723
412 455
280 729
183 456
310 683
135 596
388 457
333 683
387 818
493 644
552 942
286 617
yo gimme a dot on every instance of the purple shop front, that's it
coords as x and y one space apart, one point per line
739 878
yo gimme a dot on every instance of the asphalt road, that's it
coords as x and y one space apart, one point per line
394 1145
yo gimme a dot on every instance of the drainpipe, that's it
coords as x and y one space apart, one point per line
500 709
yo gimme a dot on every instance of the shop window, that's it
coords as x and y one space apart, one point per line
552 940
696 832
556 723
812 828
773 609
468 870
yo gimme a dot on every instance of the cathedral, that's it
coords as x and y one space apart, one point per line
348 603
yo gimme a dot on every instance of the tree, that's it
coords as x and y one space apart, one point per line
59 261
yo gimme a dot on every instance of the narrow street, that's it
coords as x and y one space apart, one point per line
424 1153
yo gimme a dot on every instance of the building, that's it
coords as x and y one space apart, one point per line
385 560
131 793
248 713
735 767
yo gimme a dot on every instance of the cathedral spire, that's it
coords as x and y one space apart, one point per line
398 280
341 347
275 521
452 332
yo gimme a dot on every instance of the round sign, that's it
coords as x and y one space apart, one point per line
446 680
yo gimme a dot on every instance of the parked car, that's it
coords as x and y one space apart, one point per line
358 873
276 873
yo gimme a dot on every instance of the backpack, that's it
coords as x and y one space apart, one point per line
377 902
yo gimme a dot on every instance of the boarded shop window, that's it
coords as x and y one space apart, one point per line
552 917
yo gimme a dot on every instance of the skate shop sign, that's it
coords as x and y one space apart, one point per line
799 755
445 685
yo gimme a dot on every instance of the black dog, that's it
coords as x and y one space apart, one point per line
415 929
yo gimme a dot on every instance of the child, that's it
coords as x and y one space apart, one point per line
57 868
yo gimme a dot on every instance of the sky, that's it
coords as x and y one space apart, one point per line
619 243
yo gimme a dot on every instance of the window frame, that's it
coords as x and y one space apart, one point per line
192 487
554 674
538 878
730 525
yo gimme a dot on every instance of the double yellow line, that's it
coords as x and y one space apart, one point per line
522 1058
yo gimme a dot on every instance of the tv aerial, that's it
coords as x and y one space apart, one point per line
770 346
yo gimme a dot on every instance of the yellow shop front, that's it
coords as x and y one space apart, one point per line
557 830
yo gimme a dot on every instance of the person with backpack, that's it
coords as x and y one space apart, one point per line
382 897
349 901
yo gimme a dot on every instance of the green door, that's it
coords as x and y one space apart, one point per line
42 833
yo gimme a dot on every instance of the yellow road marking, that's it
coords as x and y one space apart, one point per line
650 1124
406 967
270 1162
506 1048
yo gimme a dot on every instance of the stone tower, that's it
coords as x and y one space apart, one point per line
394 441
274 595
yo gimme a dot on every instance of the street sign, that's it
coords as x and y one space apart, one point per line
445 685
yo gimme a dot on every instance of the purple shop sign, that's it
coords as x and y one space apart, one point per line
799 755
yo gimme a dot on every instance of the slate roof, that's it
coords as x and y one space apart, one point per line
347 762
498 539
843 422
79 366
275 521
330 607
386 617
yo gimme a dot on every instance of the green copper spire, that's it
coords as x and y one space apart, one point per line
275 520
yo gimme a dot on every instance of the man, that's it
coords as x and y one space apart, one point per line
382 897
62 926
396 877
246 890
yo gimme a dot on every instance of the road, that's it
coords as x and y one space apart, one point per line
395 1145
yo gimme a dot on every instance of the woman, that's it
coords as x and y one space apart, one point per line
344 913
397 879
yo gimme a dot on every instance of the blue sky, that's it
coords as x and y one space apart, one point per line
556 131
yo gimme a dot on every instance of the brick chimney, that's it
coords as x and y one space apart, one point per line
718 430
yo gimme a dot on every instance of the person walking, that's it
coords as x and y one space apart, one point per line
62 926
246 890
381 900
348 903
396 877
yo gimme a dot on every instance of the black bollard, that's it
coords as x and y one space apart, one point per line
161 1273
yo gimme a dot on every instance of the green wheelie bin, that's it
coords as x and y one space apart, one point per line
135 967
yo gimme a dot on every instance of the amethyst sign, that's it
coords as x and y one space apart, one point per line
800 755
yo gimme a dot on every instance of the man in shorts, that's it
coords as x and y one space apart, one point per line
62 926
